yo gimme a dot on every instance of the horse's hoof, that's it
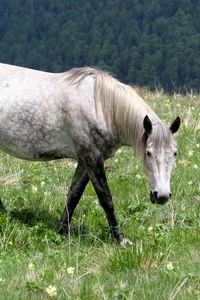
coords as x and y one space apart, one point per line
126 242
63 230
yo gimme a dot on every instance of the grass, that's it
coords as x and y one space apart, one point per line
163 263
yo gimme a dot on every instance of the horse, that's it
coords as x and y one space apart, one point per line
87 115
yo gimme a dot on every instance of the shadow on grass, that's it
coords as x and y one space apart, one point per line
32 218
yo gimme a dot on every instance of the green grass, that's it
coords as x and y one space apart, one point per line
163 263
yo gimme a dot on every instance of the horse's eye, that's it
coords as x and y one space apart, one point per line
148 153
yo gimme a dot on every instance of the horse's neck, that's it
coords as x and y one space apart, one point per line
123 110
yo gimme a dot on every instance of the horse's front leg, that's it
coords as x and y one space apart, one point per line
96 171
77 187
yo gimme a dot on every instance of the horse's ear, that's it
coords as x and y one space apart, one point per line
175 125
147 125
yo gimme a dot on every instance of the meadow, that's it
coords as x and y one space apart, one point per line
164 261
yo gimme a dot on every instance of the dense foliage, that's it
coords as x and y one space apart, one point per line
154 43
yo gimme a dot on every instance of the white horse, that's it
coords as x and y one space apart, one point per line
87 115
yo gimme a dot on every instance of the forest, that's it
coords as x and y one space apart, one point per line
154 44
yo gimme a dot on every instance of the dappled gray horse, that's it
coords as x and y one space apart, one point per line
87 115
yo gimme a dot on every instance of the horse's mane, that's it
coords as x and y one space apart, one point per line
123 108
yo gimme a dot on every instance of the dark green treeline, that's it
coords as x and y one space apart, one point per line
149 43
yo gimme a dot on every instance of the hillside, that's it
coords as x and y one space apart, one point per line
148 43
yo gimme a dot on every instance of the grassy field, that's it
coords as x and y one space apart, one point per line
163 263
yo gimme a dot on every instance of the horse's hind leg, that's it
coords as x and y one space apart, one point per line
78 185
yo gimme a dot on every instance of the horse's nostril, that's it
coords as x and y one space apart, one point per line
155 193
170 194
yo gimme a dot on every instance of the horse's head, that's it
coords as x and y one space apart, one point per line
159 157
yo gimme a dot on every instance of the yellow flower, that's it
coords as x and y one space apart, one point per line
190 153
150 229
51 291
31 266
70 270
34 188
119 151
169 266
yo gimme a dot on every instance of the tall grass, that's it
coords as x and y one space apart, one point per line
163 263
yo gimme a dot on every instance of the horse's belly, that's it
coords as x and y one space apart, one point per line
38 150
32 139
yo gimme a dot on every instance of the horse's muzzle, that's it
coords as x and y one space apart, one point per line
158 200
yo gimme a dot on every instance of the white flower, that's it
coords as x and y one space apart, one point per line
169 266
190 182
70 270
51 291
195 166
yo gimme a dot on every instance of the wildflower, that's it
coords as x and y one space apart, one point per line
51 291
195 166
169 266
150 229
119 151
190 182
34 188
190 153
198 145
31 266
70 270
